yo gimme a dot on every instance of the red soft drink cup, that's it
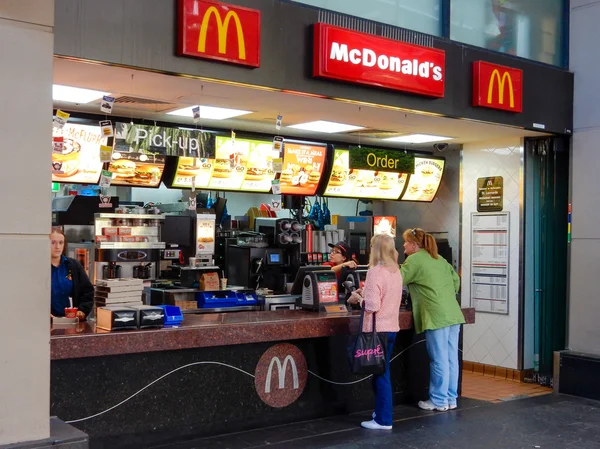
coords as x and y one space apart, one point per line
71 312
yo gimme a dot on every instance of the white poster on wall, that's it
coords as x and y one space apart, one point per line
490 252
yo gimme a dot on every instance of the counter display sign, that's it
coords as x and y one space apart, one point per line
76 158
302 168
242 164
162 140
362 58
355 183
425 182
136 169
490 194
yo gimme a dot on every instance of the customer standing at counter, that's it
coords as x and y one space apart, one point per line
340 256
381 296
433 285
69 280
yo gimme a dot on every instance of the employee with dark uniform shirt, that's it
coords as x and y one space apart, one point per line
340 256
69 280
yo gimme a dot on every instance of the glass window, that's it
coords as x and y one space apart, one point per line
417 15
532 29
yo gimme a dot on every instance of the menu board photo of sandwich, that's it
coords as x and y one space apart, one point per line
425 182
242 164
136 169
193 170
352 183
302 168
76 154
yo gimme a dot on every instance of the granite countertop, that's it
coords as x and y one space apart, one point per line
207 330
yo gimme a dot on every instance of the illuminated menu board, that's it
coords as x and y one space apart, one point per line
303 166
425 182
78 161
241 164
136 169
192 170
351 183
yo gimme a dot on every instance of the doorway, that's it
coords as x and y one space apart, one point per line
545 247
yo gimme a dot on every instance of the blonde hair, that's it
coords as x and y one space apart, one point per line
383 251
423 239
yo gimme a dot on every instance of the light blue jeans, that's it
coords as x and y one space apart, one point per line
442 347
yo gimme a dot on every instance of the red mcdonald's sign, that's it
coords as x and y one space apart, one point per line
214 30
497 87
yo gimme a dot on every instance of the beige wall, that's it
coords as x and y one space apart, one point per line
493 339
26 33
584 302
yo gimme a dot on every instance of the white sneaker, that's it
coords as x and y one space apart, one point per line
428 405
452 406
374 426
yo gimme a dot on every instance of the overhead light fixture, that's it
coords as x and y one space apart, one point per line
70 94
417 138
210 112
323 126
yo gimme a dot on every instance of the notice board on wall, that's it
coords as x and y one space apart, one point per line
490 252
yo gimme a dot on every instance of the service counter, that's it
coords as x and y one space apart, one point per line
219 373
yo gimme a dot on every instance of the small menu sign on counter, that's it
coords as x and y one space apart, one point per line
490 194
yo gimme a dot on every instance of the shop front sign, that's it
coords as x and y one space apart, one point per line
497 87
347 55
214 30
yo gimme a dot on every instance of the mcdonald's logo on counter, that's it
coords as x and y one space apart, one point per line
497 87
214 30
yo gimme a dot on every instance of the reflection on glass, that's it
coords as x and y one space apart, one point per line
528 28
421 15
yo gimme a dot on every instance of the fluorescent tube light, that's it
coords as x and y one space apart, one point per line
210 112
323 126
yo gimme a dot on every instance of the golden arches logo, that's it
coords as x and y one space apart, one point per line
222 27
500 83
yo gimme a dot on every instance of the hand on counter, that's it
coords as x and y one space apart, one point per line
350 264
80 315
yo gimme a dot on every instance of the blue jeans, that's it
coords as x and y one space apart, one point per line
442 347
382 387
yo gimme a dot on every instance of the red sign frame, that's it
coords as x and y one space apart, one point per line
354 57
487 75
214 30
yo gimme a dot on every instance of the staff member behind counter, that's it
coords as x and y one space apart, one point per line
69 280
340 256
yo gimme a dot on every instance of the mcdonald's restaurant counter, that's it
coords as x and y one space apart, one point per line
219 373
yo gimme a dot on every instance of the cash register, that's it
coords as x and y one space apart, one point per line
356 276
318 290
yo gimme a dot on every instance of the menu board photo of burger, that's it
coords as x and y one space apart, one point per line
425 182
194 169
136 169
302 168
346 182
243 164
76 154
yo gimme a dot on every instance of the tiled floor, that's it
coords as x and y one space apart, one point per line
494 389
547 422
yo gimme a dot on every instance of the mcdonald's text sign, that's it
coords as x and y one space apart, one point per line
497 87
214 30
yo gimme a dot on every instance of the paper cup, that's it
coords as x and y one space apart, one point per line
223 283
71 312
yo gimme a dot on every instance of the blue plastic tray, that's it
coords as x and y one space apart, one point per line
173 316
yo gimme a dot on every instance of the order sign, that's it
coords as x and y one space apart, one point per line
362 58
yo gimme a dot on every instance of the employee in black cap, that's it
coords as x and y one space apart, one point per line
341 256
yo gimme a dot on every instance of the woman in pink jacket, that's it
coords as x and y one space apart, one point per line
381 296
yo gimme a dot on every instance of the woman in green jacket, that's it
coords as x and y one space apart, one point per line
433 285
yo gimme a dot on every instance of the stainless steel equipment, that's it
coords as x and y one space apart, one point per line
130 246
277 302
